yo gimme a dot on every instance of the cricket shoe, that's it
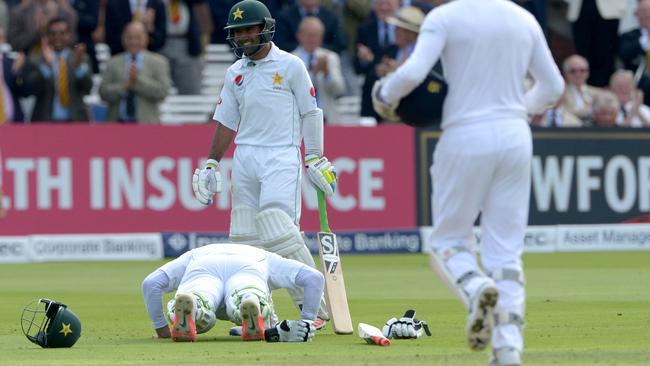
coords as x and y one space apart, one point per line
505 356
319 323
252 320
184 328
480 321
270 323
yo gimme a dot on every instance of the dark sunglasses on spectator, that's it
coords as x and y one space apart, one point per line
574 71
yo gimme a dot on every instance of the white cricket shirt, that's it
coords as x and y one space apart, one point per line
487 47
263 100
213 259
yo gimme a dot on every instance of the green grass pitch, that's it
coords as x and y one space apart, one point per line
583 309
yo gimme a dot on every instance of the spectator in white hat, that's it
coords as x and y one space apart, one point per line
407 22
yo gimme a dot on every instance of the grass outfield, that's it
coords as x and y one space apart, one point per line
583 309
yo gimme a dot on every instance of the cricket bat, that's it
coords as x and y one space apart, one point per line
372 335
335 296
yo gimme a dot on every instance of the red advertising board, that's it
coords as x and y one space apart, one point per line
121 179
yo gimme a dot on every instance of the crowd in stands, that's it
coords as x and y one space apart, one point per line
157 47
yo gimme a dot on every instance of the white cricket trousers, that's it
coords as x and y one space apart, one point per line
485 168
268 177
219 280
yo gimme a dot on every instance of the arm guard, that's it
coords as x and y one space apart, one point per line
312 129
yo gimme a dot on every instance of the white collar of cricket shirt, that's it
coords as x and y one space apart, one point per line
272 56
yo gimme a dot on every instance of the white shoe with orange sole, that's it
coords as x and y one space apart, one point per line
184 328
252 319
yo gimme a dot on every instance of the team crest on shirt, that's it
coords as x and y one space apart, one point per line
239 80
277 81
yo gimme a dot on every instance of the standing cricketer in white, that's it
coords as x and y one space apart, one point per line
267 105
482 160
231 282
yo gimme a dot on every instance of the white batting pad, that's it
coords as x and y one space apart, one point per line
242 225
278 233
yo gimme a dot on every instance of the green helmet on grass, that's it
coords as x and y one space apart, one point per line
50 324
248 13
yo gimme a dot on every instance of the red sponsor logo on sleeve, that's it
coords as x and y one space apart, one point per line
312 91
239 79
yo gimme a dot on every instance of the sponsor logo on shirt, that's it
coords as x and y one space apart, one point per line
312 91
239 80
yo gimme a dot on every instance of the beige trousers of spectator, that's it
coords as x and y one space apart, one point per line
485 168
185 69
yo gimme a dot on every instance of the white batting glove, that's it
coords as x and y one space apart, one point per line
206 182
383 109
406 328
291 331
321 173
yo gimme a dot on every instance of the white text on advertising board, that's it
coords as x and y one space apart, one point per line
158 184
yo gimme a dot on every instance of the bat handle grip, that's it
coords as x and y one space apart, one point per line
322 211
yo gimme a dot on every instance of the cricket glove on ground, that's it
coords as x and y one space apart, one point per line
321 173
291 331
406 328
206 182
383 109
